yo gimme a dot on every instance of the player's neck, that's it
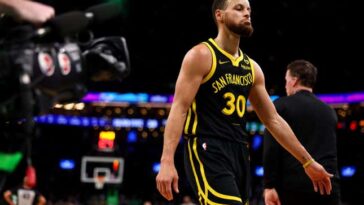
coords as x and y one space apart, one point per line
228 43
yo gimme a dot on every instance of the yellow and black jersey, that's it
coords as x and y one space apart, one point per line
220 104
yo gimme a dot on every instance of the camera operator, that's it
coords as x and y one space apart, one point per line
25 10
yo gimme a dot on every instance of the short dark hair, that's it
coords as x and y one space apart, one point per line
218 4
305 71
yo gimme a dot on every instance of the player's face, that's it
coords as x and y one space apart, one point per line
290 83
237 17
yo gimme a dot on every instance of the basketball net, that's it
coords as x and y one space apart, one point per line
100 181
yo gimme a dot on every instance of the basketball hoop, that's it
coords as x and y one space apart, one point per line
101 171
100 181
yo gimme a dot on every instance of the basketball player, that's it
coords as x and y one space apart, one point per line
214 83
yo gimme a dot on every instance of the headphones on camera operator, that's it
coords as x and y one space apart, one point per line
47 65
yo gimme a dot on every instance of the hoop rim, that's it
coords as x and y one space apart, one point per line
100 181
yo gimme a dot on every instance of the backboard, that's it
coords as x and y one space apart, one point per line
108 169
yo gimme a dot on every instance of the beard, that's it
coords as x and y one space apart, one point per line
244 30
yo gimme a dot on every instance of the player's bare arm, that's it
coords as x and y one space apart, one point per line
195 66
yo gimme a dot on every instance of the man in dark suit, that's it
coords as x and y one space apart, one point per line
314 123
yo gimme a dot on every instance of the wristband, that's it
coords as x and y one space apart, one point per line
306 164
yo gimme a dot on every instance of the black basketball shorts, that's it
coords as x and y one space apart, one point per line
218 170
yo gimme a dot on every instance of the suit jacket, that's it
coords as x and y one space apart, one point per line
314 124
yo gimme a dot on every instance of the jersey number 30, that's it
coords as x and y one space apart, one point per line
234 104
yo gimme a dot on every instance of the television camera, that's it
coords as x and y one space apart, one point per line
48 65
40 67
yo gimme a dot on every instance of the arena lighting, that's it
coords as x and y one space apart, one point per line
147 98
115 165
159 98
252 127
348 171
107 135
353 126
67 164
106 141
156 167
340 125
9 161
361 123
257 142
152 123
82 121
132 136
116 97
164 122
356 97
128 122
113 97
259 171
261 128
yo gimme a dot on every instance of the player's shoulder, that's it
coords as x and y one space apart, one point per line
198 52
255 64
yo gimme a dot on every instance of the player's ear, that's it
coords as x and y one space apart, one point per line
219 15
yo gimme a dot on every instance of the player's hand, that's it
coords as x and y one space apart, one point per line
271 197
33 12
167 179
319 177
